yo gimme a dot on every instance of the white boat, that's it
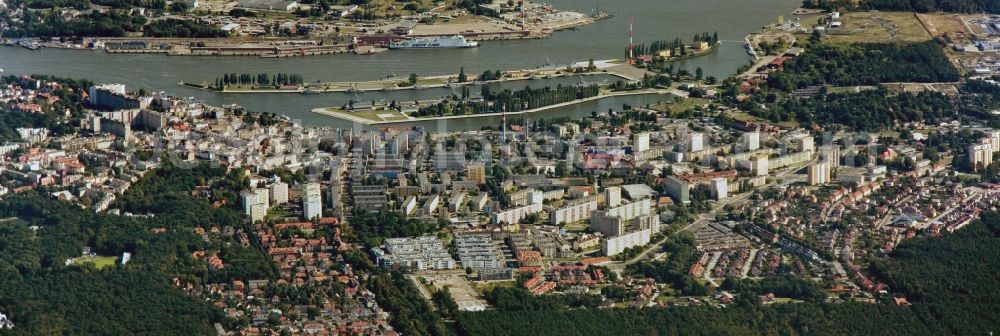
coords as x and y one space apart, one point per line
455 41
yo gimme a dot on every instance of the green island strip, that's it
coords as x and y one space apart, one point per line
389 116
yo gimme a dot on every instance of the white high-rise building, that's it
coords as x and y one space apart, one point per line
618 244
751 141
431 205
980 154
254 205
804 143
312 201
695 142
118 89
279 193
572 213
640 142
819 173
758 165
613 195
994 140
408 205
536 197
263 196
720 188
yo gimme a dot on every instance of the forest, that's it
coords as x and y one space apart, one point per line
865 64
39 291
923 6
949 280
46 297
781 286
112 23
11 120
745 318
879 108
866 110
411 313
181 28
81 5
519 299
473 6
81 301
46 4
372 228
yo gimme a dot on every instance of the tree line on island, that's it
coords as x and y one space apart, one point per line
485 76
677 47
509 101
262 79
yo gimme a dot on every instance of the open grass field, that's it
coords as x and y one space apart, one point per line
579 226
461 290
875 27
674 107
483 287
378 115
946 24
99 261
384 7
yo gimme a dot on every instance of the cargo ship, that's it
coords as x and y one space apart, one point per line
456 41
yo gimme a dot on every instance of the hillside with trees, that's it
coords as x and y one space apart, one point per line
922 6
110 23
69 94
865 64
113 23
867 110
51 298
867 104
878 108
181 28
38 289
84 301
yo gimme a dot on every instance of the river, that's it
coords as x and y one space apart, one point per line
654 20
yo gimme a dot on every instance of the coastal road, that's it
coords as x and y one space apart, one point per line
756 65
762 61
